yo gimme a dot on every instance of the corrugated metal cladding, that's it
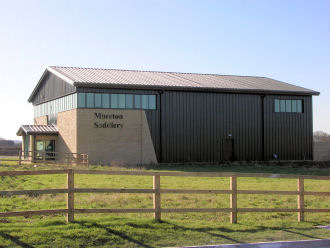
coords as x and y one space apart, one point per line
193 126
290 135
52 87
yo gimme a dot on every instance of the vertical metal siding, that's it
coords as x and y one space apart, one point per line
195 126
52 87
289 135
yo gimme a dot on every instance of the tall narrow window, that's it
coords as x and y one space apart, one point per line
114 100
288 106
144 101
282 102
299 106
26 144
277 105
129 101
98 100
152 101
121 101
105 101
294 106
90 100
137 101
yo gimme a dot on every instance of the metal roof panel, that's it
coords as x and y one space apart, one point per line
126 78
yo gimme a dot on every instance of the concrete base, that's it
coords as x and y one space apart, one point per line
318 243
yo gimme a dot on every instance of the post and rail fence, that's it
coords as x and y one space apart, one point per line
49 157
157 191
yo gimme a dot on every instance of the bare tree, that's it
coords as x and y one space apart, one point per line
321 136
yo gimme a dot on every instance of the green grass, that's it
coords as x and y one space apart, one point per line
139 230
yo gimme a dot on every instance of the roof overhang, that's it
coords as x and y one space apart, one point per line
195 89
51 70
37 130
69 77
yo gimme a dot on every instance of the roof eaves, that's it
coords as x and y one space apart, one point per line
186 88
60 75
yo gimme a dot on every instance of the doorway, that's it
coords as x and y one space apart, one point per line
228 149
45 150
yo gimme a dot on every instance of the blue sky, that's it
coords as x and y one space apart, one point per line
284 40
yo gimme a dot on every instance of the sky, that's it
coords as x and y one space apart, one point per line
284 40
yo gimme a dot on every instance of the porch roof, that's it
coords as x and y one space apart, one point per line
37 129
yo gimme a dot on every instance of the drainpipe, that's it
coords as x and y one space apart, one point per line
160 126
263 127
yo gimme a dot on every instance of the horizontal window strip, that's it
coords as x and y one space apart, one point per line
116 101
288 106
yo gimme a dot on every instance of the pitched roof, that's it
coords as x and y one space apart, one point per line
37 129
114 78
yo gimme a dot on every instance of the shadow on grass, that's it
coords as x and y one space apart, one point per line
206 231
301 234
243 168
15 240
113 232
213 231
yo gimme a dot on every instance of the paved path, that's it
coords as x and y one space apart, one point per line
318 243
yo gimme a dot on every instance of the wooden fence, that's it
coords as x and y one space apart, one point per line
48 158
70 190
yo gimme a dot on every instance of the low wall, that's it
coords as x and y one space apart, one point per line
322 151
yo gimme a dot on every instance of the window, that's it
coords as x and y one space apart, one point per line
129 101
45 149
288 106
64 103
144 101
98 101
277 105
294 106
90 100
152 101
26 143
137 101
299 106
105 101
114 100
121 98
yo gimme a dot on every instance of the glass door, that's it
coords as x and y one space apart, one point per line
45 150
50 149
40 149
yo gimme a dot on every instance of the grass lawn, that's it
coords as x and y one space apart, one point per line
139 230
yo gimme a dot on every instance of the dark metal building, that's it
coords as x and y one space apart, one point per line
196 117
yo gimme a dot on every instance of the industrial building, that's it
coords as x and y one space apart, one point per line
142 117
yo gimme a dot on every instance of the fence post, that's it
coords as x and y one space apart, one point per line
19 158
156 187
233 199
70 196
300 187
84 159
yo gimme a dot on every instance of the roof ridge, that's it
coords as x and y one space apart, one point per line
172 72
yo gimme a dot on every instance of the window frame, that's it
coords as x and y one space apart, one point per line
285 102
114 98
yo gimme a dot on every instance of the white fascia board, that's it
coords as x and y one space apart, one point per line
60 75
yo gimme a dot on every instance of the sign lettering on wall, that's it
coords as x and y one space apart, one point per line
108 120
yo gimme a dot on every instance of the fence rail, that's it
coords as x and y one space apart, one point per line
70 211
49 157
